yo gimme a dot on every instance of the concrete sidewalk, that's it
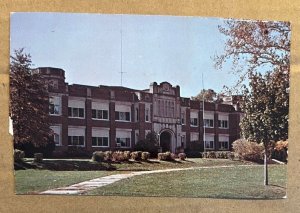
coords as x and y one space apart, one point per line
82 187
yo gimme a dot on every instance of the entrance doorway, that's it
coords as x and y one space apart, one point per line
165 141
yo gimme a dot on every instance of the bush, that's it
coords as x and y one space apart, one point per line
38 157
77 151
108 155
182 156
230 155
249 151
148 145
18 155
30 149
193 154
280 150
145 156
98 156
126 155
137 155
166 156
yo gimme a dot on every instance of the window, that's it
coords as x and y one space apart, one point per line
147 115
223 124
137 114
56 134
123 142
224 142
100 141
76 112
208 122
122 116
194 122
76 140
183 118
194 137
209 141
223 145
54 105
100 114
209 144
56 138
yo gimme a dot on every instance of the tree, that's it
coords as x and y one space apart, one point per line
265 105
29 104
254 46
209 95
260 52
150 144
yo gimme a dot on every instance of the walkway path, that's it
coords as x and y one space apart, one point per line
82 187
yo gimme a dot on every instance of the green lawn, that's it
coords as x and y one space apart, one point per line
236 182
33 181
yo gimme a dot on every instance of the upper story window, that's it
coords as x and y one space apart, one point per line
54 105
194 118
75 112
183 117
122 113
76 108
100 111
122 116
208 120
147 115
223 121
100 114
209 123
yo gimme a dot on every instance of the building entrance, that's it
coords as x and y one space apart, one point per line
165 141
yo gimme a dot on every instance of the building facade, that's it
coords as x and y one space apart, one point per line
115 118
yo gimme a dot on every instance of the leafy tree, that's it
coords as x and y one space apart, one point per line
254 46
260 52
265 106
209 95
29 104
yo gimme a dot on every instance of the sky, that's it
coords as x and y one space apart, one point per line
94 48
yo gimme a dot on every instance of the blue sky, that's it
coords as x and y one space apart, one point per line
154 48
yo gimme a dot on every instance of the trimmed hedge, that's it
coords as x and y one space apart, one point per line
166 156
182 156
18 155
98 156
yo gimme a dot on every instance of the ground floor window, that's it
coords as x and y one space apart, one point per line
209 144
223 145
123 142
100 141
76 140
56 134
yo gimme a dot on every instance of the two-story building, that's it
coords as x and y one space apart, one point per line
115 118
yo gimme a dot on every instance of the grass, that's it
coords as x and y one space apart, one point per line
237 182
32 181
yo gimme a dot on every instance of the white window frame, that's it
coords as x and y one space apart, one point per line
56 127
122 120
223 139
72 112
208 140
101 111
55 105
77 134
207 121
221 126
97 138
220 148
147 114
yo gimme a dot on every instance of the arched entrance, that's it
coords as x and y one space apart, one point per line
165 141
